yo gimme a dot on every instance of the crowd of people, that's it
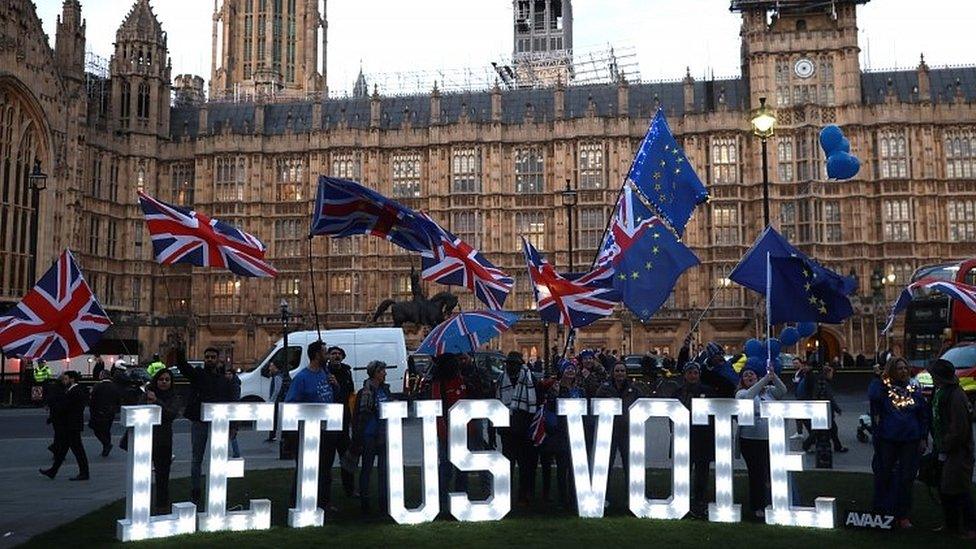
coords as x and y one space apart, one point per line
913 436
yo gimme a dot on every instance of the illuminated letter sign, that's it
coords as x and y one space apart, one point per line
723 510
676 506
591 490
308 418
781 462
138 524
393 413
216 518
500 502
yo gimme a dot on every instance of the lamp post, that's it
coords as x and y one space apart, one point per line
37 182
877 294
763 122
285 314
569 196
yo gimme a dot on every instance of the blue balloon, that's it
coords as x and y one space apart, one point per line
754 348
842 165
845 145
777 366
755 363
806 329
789 336
831 139
775 347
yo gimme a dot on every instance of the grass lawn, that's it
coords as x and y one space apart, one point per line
539 525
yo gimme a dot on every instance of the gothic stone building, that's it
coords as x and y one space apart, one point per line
489 165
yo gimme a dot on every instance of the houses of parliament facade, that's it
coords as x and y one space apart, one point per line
489 165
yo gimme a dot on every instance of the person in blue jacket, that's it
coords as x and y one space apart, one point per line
370 433
900 417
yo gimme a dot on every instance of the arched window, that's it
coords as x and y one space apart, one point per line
18 148
125 104
143 103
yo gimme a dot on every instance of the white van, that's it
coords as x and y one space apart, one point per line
362 345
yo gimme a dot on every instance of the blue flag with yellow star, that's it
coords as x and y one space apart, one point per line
797 293
663 175
647 265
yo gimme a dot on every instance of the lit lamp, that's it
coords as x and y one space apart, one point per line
37 182
763 122
569 196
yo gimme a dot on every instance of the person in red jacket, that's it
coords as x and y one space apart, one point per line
448 387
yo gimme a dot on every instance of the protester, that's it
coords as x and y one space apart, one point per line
105 402
820 388
161 393
754 439
155 366
280 379
346 394
801 391
370 433
207 384
952 438
591 377
539 432
620 387
233 395
68 417
478 384
557 433
98 368
448 387
315 385
900 419
702 443
517 387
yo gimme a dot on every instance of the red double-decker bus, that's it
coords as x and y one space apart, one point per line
933 321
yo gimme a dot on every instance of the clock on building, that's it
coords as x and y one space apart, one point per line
804 68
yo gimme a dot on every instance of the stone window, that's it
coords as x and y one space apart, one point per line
725 160
725 224
784 159
591 166
831 221
962 220
529 165
892 155
347 165
229 179
181 183
960 152
466 170
289 179
289 237
287 288
467 227
531 225
727 293
406 175
592 224
897 217
225 294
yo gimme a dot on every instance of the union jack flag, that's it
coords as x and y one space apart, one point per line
631 219
537 429
59 318
573 303
345 208
185 236
465 332
956 290
454 262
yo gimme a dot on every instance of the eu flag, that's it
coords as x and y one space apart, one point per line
751 270
662 174
797 293
648 266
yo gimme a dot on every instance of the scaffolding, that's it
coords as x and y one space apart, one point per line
97 86
605 65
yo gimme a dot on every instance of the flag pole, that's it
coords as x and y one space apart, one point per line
769 308
311 280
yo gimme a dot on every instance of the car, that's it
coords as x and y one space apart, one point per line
963 357
633 363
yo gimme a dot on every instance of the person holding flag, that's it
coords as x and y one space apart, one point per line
754 439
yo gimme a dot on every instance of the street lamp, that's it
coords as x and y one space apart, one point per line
569 196
763 122
285 313
37 182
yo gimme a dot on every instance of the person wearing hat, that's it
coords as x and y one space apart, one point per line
370 432
754 439
345 394
900 418
952 438
516 389
702 444
155 366
619 386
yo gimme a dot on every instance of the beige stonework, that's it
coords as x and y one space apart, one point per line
487 165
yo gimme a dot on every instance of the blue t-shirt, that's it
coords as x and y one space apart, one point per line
311 387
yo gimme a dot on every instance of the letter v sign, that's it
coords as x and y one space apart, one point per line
591 489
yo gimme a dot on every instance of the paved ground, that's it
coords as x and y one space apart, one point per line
30 503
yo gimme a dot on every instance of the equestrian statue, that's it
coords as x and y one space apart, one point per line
419 310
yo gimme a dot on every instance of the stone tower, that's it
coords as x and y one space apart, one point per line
542 51
268 48
797 52
69 49
140 73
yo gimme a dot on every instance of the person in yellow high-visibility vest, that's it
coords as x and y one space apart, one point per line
42 373
155 366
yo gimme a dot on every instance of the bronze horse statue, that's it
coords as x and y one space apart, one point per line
420 310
